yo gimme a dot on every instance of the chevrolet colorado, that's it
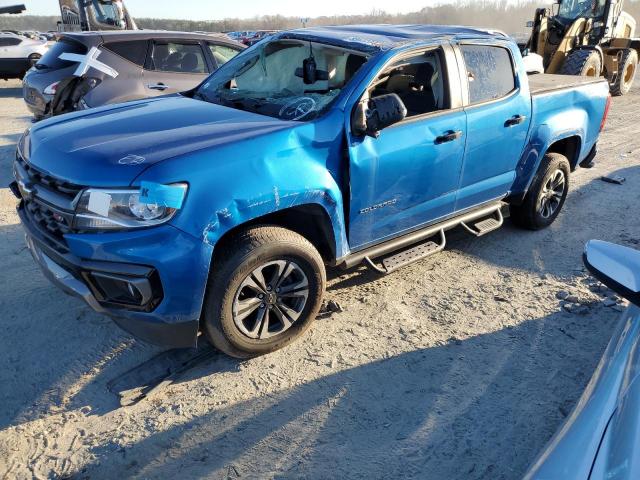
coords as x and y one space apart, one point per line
216 210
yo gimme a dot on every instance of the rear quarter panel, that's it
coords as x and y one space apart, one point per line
560 114
128 85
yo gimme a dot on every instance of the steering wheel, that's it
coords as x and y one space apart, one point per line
297 108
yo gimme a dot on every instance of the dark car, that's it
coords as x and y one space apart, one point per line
259 35
90 69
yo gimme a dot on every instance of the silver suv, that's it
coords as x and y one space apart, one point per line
89 69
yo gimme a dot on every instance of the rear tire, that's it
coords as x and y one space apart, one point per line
626 72
582 62
546 195
264 292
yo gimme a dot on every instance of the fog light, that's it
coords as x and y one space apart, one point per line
122 290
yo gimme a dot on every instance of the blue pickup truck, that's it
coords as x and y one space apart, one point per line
216 211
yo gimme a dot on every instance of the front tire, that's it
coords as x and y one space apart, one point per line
546 195
34 58
264 291
626 72
582 62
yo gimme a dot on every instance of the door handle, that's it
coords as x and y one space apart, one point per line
158 86
450 136
515 120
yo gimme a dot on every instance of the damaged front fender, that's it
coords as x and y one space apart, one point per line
241 211
234 184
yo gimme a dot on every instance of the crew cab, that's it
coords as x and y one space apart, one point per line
218 210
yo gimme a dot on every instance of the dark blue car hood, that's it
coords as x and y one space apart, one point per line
111 146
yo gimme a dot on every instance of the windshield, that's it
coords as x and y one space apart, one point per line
107 12
287 79
573 9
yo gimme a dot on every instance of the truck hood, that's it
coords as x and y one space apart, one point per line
110 146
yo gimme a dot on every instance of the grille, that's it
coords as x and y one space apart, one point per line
39 178
48 219
51 213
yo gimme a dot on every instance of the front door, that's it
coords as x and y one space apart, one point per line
408 176
174 66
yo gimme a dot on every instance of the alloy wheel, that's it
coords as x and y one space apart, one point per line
551 194
270 299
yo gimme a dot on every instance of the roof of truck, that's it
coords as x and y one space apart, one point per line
388 36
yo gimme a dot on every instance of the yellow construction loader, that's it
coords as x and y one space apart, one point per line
587 37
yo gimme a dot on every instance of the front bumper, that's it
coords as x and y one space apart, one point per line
170 266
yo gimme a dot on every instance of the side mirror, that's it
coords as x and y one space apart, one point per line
616 266
555 9
378 113
529 24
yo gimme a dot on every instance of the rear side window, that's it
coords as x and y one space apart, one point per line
178 57
490 70
9 42
222 53
52 60
135 51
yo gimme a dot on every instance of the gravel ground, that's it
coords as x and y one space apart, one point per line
460 366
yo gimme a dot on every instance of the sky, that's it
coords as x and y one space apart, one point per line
216 10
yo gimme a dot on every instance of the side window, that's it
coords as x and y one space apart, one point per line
418 80
9 42
135 51
178 57
222 53
490 70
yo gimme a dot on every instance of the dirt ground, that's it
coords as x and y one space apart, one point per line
460 366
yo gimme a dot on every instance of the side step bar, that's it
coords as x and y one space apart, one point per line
485 226
480 225
406 257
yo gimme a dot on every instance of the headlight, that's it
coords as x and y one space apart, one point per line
24 144
100 209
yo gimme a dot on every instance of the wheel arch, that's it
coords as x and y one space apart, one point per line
310 220
569 145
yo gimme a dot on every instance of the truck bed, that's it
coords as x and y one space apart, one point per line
545 82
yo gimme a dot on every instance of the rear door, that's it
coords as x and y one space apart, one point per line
498 108
174 66
408 175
